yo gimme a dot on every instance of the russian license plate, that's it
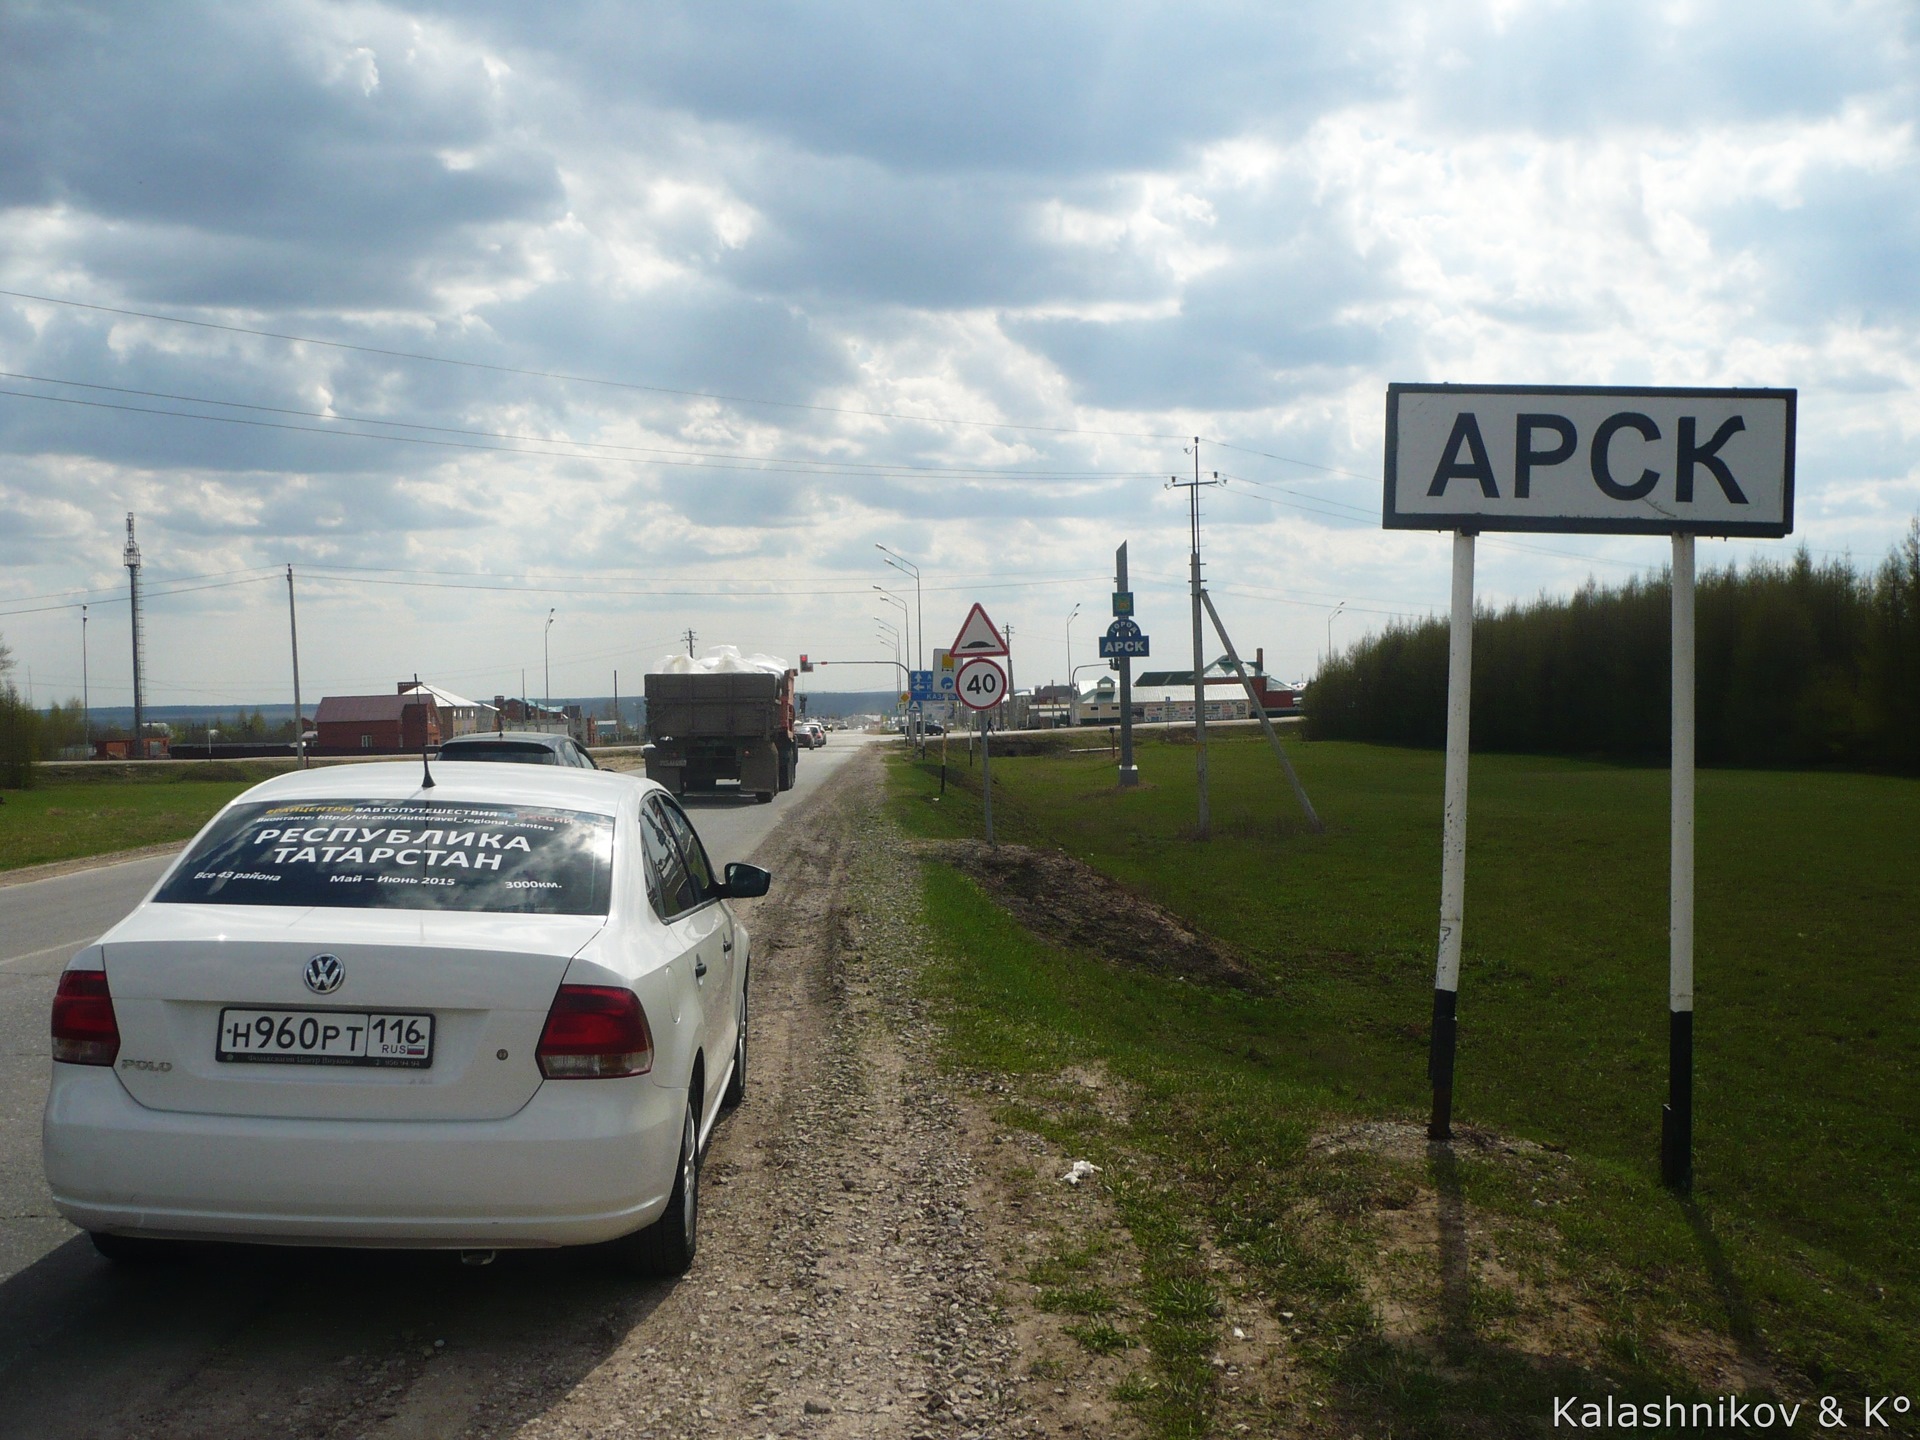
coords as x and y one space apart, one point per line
326 1037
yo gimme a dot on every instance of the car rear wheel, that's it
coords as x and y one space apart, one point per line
666 1247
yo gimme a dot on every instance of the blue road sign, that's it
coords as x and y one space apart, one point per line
1123 640
920 684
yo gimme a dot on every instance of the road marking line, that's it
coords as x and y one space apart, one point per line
65 947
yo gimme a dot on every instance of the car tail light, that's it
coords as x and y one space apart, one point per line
595 1032
84 1030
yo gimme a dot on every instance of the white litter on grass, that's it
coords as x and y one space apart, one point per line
1080 1170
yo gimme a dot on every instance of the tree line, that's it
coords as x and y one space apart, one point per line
1798 663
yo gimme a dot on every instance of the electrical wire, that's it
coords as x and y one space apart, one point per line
583 379
890 468
147 594
786 467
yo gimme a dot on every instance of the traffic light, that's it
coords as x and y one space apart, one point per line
805 664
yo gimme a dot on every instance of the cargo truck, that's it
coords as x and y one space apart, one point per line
707 726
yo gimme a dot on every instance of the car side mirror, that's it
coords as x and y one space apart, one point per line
745 882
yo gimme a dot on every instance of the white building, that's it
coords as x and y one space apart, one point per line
458 715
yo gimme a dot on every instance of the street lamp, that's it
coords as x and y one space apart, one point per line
1070 614
907 567
893 599
1336 610
893 634
545 668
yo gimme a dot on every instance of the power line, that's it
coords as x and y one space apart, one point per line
739 589
891 468
583 379
1283 459
110 599
749 467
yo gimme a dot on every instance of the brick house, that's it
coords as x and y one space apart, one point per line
376 724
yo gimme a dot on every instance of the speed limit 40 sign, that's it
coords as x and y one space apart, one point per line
980 683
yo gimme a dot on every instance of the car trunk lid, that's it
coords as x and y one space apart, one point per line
486 981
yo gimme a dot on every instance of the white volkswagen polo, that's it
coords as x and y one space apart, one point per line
501 1010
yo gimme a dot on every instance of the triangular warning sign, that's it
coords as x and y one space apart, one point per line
977 636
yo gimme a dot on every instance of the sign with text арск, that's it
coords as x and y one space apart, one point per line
1622 460
1123 639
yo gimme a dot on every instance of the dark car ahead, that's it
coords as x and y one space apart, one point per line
518 747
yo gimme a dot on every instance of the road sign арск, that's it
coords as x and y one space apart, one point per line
1123 640
1622 460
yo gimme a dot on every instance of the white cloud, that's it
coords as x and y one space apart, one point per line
1109 224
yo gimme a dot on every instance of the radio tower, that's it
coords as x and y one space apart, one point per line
131 559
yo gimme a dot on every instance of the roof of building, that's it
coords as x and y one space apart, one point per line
359 709
446 699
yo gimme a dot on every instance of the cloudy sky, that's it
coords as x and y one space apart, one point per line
665 316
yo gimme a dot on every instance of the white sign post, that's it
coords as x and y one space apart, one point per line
1678 462
980 684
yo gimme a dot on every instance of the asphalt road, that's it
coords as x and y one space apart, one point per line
56 1295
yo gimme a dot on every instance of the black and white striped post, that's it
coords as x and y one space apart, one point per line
1676 1118
1453 843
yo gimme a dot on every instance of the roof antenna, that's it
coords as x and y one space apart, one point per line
426 781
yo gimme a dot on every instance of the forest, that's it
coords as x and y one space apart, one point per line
1799 664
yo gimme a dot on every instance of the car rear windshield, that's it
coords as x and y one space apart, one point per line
401 855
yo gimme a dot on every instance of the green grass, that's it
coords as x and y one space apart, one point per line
68 818
1802 1235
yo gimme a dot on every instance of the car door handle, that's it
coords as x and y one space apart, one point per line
727 948
699 967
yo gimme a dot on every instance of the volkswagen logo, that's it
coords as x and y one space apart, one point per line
325 974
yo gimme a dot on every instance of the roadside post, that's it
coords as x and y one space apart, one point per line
1123 662
1470 458
981 684
943 687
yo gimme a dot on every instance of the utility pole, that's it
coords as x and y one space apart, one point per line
691 637
546 666
1129 772
130 557
86 702
299 723
1204 830
616 707
1006 633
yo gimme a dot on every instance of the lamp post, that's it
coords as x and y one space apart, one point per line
546 669
907 567
1336 610
1073 687
1070 614
906 623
